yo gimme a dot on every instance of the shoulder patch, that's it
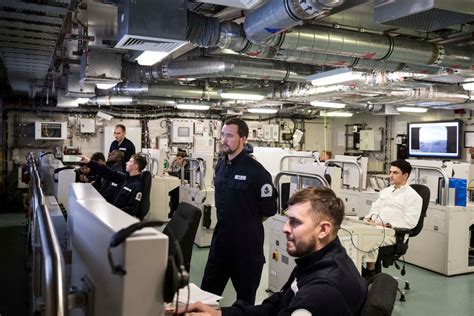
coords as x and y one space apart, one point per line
301 312
266 190
138 197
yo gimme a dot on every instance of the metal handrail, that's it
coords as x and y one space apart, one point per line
202 172
285 157
299 177
54 289
351 162
445 197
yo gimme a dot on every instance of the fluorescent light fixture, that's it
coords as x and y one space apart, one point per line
242 95
149 58
262 110
332 105
105 86
104 116
82 100
412 109
192 106
468 86
334 76
336 114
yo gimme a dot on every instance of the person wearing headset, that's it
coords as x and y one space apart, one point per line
397 206
325 280
244 197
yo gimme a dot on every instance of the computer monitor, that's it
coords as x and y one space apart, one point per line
434 139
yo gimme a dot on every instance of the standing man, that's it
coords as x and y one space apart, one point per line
397 206
244 197
122 143
325 280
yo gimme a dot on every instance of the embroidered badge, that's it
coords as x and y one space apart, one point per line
294 286
139 196
266 190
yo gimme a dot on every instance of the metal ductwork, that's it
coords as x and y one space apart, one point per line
237 68
277 16
131 101
373 46
169 91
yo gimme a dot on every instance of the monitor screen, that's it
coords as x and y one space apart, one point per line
434 139
183 131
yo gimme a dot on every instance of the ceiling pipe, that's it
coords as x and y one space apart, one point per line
277 16
237 68
162 90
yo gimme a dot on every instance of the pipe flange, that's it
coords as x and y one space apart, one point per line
165 71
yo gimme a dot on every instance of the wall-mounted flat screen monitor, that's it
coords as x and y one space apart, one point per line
440 139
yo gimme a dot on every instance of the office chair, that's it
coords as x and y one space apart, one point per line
381 296
145 201
390 254
183 226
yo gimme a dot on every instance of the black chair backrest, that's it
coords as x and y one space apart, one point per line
424 192
381 296
146 188
184 225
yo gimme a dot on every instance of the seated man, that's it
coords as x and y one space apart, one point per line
129 194
85 175
397 206
325 280
178 164
108 188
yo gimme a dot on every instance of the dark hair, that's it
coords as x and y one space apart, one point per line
242 127
117 152
181 154
140 161
97 156
324 202
403 165
121 126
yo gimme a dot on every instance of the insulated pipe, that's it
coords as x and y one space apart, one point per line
276 16
237 68
170 91
372 46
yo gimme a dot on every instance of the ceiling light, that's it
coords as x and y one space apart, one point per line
336 114
334 76
468 86
105 86
192 106
262 110
149 58
332 105
411 109
242 95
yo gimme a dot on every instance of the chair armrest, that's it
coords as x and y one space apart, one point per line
401 246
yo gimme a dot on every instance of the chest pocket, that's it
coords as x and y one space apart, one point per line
240 185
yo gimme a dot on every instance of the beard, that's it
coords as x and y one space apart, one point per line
227 150
301 249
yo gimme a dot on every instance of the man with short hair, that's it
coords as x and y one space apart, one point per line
244 197
325 280
129 194
397 206
122 143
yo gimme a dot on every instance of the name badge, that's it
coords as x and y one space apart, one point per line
123 148
239 177
127 189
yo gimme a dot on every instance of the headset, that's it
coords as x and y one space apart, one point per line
176 276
